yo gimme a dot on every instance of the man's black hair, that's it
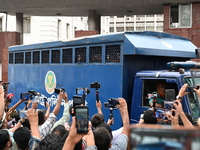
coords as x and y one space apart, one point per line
78 145
96 119
22 136
41 117
102 138
105 125
26 124
4 139
50 142
149 117
59 128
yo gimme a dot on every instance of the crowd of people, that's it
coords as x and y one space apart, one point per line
41 130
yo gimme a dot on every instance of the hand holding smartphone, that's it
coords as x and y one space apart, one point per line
82 114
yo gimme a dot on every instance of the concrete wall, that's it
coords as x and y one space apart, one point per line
7 39
192 33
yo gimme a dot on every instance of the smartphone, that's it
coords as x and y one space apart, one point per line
57 91
22 114
25 96
169 95
81 113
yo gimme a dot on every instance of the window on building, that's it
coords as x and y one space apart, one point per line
59 29
111 29
27 25
0 24
67 30
181 15
120 29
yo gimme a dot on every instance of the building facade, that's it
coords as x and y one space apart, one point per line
114 24
39 29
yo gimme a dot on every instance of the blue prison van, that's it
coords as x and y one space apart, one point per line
112 60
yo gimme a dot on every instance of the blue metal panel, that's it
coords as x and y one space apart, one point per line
95 39
159 46
31 77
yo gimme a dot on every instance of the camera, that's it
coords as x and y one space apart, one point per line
112 102
57 91
153 95
82 91
78 100
26 96
191 88
95 85
32 92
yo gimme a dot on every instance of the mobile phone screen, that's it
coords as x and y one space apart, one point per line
169 94
23 114
81 119
25 96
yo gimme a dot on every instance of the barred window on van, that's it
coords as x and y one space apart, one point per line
112 53
11 58
67 55
36 57
19 58
80 55
55 56
45 56
27 57
95 54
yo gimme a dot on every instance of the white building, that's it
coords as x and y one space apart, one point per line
39 29
132 23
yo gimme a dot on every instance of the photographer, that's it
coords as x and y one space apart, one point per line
101 134
66 115
48 124
160 87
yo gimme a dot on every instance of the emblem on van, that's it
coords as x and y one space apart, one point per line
50 82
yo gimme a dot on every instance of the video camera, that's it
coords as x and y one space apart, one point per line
191 88
153 95
57 91
112 102
82 91
78 100
28 96
95 85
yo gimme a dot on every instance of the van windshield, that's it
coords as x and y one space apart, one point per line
193 98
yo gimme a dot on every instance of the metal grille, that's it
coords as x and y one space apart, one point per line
10 58
80 55
45 56
67 55
36 57
113 53
95 54
55 56
27 57
19 58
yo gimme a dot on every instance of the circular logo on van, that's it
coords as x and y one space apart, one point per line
50 82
